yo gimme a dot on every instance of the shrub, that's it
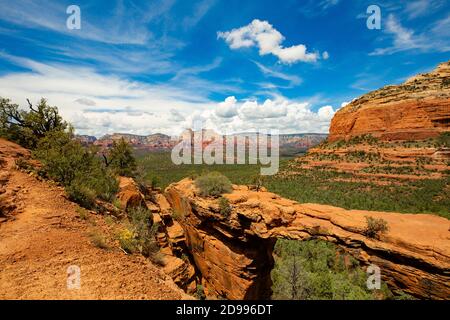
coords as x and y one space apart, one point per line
98 240
444 139
185 258
446 82
140 217
116 202
213 184
225 207
109 220
85 190
192 175
154 182
200 292
63 159
400 295
127 241
77 168
375 227
143 233
81 194
258 182
24 165
28 127
83 213
141 177
121 159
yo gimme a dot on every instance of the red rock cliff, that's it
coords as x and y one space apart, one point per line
234 254
416 109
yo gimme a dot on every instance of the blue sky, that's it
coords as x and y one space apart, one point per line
161 65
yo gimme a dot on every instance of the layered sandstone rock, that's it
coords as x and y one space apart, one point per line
393 161
416 109
129 194
170 235
234 254
171 240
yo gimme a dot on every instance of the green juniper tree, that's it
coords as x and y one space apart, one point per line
27 127
121 159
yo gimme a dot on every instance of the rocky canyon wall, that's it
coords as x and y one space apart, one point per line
234 254
416 109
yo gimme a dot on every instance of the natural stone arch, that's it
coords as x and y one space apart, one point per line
235 259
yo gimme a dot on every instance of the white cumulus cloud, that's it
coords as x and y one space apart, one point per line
280 113
228 108
263 35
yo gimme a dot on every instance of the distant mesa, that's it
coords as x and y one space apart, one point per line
151 142
85 139
290 144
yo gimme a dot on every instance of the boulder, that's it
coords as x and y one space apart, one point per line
181 271
175 233
164 206
129 194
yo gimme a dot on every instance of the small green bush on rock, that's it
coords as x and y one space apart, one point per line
200 292
213 184
141 236
225 207
375 227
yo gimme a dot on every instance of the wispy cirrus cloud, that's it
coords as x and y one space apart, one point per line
194 70
433 39
311 8
200 10
86 102
418 8
121 40
124 23
73 89
292 79
150 59
368 81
